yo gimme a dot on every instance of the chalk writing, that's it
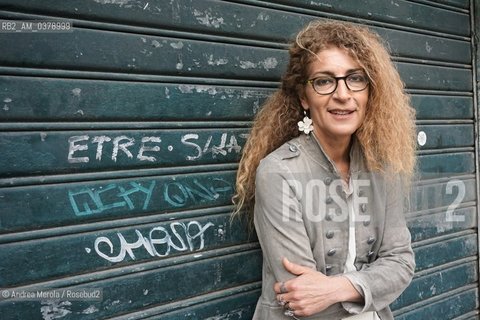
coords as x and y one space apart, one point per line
144 148
221 149
73 147
99 140
149 148
93 200
121 144
161 241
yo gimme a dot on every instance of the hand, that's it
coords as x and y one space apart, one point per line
312 291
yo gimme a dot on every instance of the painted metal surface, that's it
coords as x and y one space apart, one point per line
120 140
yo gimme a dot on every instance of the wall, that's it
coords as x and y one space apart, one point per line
120 142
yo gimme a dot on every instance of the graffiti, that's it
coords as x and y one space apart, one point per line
134 195
222 149
178 194
178 236
149 148
88 201
121 144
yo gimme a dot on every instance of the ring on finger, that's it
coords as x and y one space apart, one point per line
289 313
282 302
283 289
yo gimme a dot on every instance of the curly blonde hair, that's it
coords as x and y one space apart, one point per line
387 134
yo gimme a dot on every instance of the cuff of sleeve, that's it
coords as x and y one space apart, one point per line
360 286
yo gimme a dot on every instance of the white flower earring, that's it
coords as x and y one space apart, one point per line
305 126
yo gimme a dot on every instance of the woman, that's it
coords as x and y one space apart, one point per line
323 170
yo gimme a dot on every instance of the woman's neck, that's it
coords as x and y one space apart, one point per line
338 150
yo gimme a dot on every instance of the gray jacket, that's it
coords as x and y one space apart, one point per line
300 213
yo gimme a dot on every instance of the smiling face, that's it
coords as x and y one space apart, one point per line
338 115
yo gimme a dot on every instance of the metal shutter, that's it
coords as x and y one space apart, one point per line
119 143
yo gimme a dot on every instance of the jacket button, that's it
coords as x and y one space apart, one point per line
328 200
327 180
360 193
328 269
370 255
293 148
371 240
328 217
329 234
366 222
363 207
331 252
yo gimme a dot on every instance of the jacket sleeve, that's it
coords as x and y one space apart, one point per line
278 219
383 280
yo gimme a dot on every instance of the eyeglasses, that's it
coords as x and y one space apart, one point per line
327 84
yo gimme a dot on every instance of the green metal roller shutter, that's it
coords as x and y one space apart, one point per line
120 140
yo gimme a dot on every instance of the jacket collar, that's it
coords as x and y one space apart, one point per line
314 150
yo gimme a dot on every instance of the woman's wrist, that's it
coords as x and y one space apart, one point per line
345 291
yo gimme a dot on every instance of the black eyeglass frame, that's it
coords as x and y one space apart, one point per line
344 78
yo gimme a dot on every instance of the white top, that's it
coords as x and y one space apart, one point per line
352 251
